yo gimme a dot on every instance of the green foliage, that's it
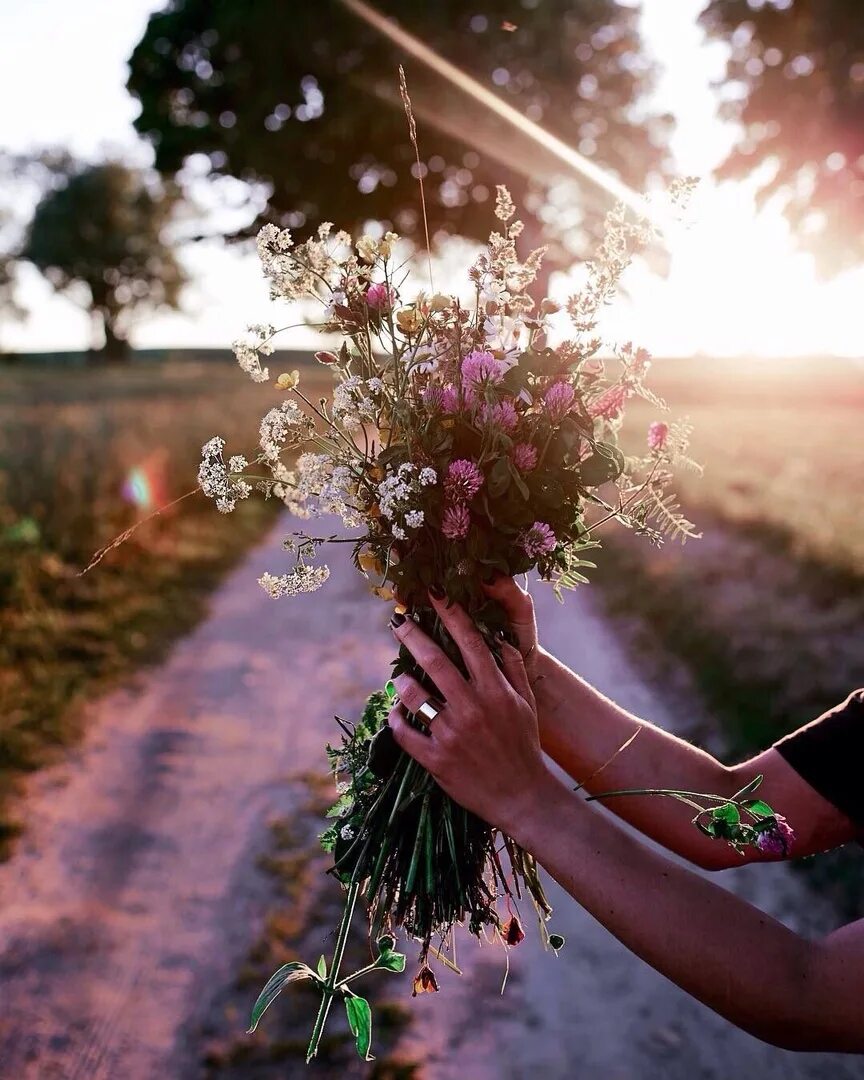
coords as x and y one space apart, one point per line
303 98
360 1022
801 65
104 227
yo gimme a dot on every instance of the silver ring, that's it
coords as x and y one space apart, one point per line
428 712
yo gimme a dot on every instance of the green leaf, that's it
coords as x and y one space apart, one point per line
521 486
288 973
386 943
556 941
360 1022
322 966
606 463
391 961
390 689
758 808
728 812
499 477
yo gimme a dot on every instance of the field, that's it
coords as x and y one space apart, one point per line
767 609
84 454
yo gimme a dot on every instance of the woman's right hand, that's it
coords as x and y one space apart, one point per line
519 608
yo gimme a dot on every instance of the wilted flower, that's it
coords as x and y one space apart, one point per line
512 931
425 982
479 368
464 480
658 433
525 457
409 319
456 522
538 540
558 399
778 839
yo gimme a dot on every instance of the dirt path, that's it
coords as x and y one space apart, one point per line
133 895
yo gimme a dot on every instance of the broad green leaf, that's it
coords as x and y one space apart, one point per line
322 966
386 943
728 812
606 463
759 808
288 973
391 961
360 1022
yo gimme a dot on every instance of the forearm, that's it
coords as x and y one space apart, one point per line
582 731
736 960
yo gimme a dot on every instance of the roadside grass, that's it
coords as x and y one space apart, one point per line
76 447
767 610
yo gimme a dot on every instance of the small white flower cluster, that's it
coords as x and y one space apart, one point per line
346 832
286 425
249 353
397 493
351 402
320 487
216 480
304 579
298 272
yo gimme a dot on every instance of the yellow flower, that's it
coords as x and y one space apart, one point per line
439 302
384 592
408 320
288 380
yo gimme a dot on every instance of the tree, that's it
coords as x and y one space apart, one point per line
101 234
800 67
304 99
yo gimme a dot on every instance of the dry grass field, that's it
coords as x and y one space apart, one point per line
84 454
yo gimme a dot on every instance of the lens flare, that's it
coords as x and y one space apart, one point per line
137 488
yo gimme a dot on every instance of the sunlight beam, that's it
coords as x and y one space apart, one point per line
580 164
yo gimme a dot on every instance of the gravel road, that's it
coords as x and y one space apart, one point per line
133 894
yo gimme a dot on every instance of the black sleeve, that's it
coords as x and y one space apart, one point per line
829 755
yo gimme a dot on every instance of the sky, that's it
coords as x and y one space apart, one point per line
736 283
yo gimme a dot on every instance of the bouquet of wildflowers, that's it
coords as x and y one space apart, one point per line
457 445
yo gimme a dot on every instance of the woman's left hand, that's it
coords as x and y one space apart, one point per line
483 746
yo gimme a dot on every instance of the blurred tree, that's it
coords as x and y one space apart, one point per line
100 236
799 67
304 98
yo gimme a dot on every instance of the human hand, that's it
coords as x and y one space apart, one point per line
519 609
483 746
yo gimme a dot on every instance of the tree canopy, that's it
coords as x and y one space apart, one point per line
304 98
100 235
800 67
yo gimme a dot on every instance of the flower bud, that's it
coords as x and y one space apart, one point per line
326 358
425 982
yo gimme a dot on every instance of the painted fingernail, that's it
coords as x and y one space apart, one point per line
396 619
436 592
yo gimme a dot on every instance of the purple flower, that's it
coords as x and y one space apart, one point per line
658 433
503 414
538 540
433 396
525 457
558 399
778 839
464 480
380 297
456 521
481 367
449 400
